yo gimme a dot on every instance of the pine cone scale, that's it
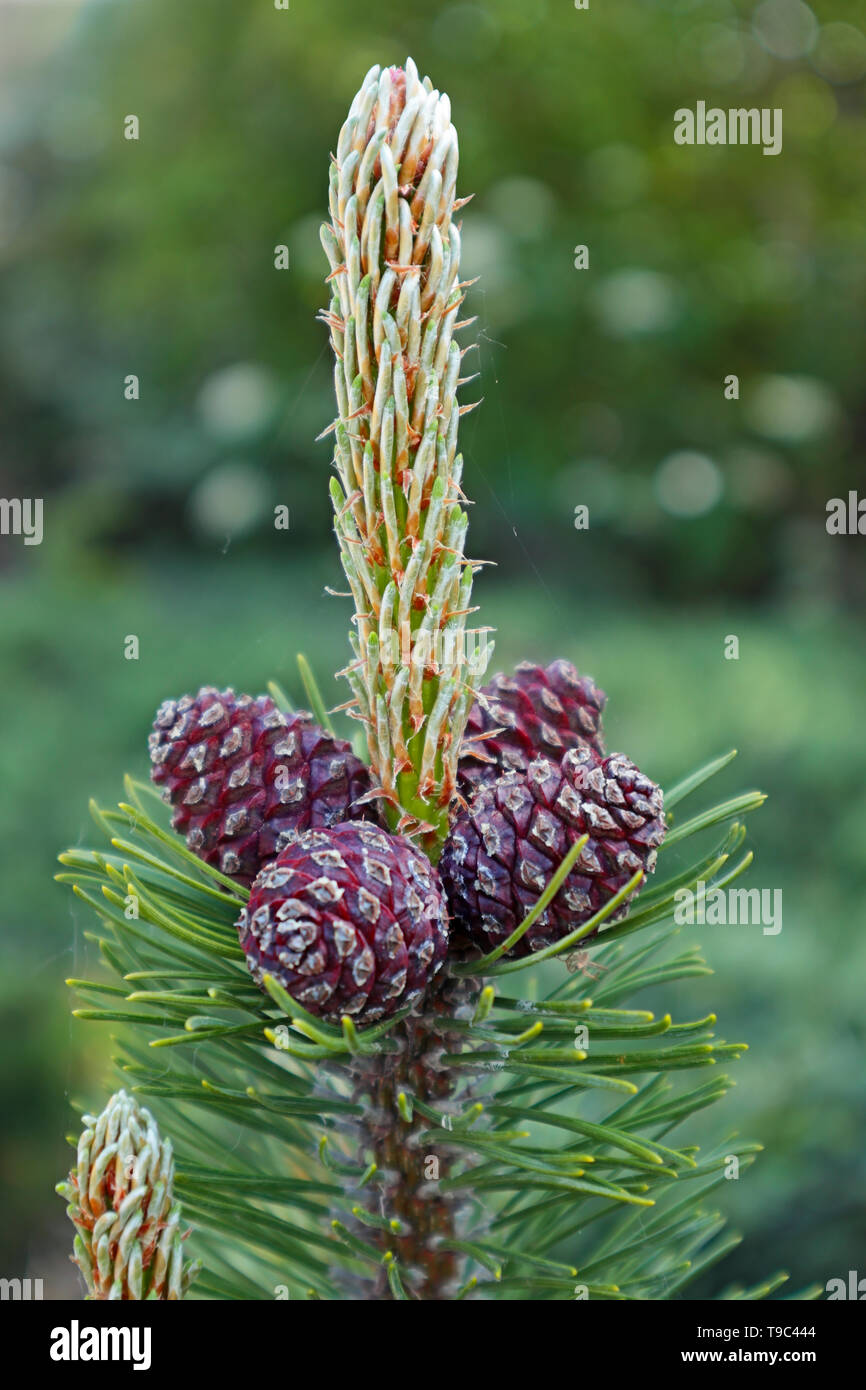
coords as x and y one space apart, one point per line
242 776
537 712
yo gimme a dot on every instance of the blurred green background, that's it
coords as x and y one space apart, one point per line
602 387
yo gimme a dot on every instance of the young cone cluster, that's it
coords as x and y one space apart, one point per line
128 1243
394 251
506 818
349 920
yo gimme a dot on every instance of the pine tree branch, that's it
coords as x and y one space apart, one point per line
281 1082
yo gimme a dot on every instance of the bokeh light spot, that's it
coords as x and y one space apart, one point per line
633 302
840 54
787 28
230 501
793 409
688 484
239 401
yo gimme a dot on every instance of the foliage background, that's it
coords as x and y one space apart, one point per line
601 387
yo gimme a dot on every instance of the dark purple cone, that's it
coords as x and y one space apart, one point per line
544 711
242 777
350 920
503 850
